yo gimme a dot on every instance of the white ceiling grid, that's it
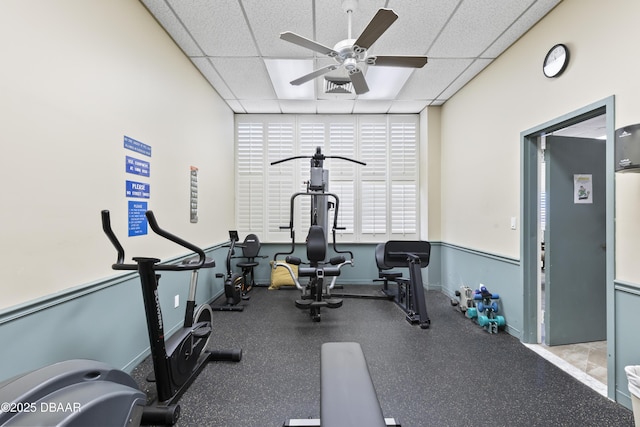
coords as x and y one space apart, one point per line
228 41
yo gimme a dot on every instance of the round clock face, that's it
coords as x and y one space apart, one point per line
556 61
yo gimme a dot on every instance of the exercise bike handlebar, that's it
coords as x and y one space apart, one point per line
153 223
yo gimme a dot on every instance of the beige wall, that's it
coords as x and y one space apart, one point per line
431 206
481 124
77 76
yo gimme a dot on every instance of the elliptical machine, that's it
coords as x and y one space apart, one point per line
234 283
178 360
317 292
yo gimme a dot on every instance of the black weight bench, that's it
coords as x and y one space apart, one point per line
347 395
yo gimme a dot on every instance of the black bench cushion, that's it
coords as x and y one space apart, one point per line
347 395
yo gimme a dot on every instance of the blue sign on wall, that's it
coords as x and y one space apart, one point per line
141 190
137 166
137 146
137 219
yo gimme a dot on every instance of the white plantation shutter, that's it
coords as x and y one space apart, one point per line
374 213
378 201
374 203
403 208
404 178
280 145
345 191
311 136
249 176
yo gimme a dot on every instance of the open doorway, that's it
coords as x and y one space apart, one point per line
562 313
572 316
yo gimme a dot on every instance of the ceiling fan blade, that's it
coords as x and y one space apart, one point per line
398 61
314 74
378 25
358 81
307 43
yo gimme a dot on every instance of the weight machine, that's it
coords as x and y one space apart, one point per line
317 293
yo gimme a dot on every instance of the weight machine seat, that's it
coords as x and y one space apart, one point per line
316 244
382 273
347 395
399 253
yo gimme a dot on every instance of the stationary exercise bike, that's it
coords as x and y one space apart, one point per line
234 283
178 360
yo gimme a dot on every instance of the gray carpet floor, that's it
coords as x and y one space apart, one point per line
453 374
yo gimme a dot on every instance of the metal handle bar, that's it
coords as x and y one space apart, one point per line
321 158
121 265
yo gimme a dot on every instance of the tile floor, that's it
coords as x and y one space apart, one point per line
586 362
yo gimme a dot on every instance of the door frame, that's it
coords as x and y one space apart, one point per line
529 230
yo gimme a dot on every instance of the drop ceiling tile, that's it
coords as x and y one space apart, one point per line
207 70
433 79
172 25
371 107
332 23
268 19
419 23
228 39
536 12
297 107
246 77
218 27
254 106
477 66
408 107
334 107
236 106
475 26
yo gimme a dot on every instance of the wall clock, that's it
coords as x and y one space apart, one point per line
556 61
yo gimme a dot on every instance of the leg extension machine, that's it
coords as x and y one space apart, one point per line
409 294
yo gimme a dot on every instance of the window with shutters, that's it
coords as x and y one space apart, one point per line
377 202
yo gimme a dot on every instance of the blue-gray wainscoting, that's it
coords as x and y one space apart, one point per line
101 321
461 266
105 320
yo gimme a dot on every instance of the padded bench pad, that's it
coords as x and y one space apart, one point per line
347 395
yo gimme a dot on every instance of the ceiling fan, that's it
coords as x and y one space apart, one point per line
352 53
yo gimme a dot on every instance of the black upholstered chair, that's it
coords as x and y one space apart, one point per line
250 250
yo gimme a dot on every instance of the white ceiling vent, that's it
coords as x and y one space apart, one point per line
337 85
